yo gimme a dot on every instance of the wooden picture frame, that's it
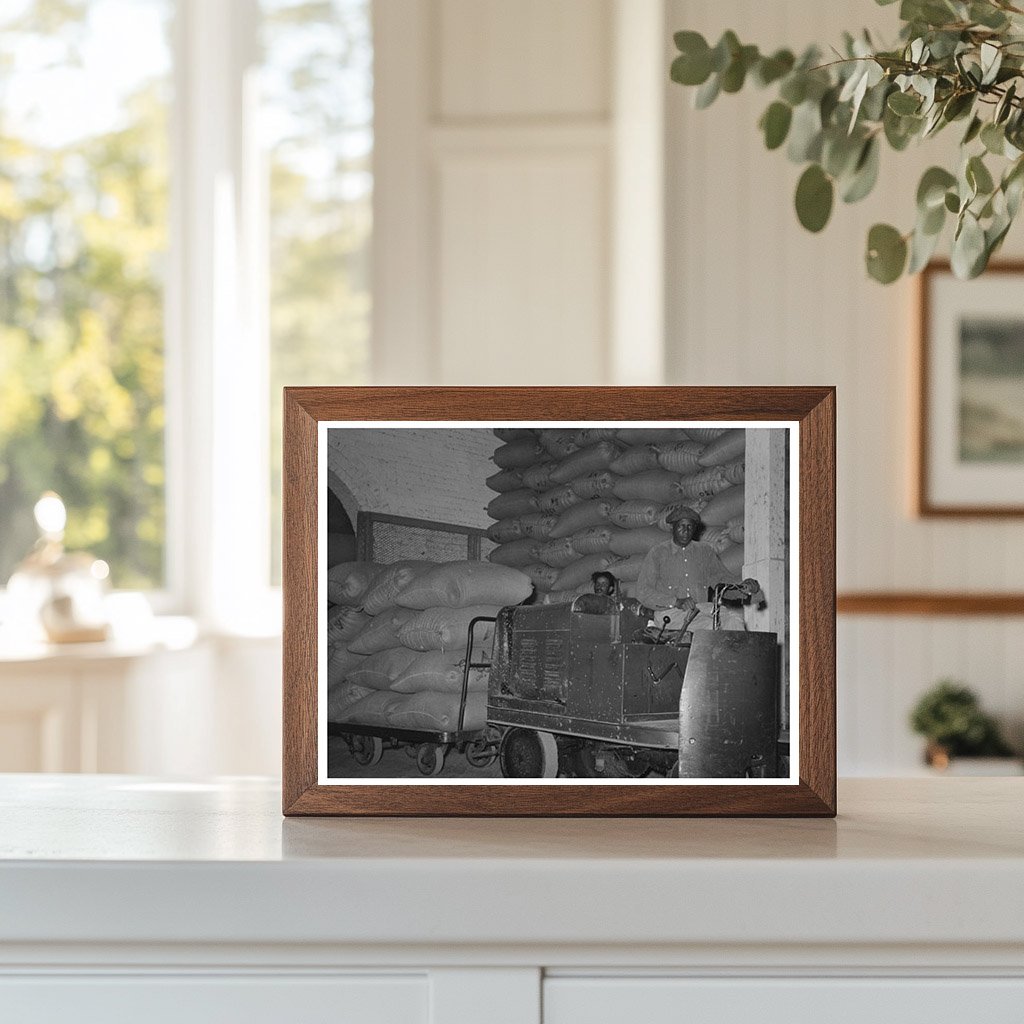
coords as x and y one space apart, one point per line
807 414
959 471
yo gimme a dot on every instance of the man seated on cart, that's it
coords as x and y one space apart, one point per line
605 598
677 574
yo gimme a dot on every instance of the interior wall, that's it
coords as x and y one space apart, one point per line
752 298
433 473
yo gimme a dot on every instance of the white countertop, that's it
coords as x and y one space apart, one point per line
120 859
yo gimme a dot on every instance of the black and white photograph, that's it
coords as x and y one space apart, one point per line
601 604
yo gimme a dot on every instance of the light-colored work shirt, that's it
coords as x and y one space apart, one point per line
670 572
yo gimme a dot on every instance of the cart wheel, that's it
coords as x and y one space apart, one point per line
481 753
528 754
367 750
430 758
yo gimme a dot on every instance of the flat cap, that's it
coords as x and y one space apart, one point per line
679 513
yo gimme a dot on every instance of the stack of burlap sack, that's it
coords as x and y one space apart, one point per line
396 640
572 502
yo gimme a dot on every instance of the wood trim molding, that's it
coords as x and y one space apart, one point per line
916 603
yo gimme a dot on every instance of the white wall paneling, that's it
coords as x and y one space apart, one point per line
518 198
752 298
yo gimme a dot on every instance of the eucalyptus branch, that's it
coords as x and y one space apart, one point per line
834 116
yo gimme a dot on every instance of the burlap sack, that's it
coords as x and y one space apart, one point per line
438 712
732 558
543 576
537 525
441 672
373 709
724 506
735 472
591 459
514 433
558 499
516 552
631 515
735 527
705 434
558 441
444 629
636 459
636 542
461 584
716 536
389 583
512 503
587 513
505 530
594 485
704 483
579 573
343 623
517 454
587 436
652 485
347 582
505 480
379 671
681 457
538 476
727 447
593 540
340 662
627 570
558 553
341 696
382 632
651 435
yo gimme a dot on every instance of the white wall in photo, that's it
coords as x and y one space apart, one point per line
752 298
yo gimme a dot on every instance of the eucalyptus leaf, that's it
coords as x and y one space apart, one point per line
904 103
707 93
952 202
922 248
814 195
775 123
978 176
865 173
725 49
993 138
931 190
805 133
968 247
771 69
973 129
886 253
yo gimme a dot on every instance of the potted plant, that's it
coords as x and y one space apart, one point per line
950 717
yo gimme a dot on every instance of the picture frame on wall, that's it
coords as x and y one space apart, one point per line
970 387
559 601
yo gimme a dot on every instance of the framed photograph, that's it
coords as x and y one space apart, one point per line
559 601
970 450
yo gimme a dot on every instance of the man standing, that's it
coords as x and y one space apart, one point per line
677 573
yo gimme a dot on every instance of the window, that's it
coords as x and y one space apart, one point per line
185 220
83 235
317 117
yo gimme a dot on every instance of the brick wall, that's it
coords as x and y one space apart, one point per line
433 473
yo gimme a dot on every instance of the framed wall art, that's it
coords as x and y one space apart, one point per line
970 444
559 601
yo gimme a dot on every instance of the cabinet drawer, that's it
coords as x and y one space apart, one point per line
569 1000
202 999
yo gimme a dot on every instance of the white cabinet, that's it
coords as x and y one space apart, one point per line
824 1000
131 899
241 999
